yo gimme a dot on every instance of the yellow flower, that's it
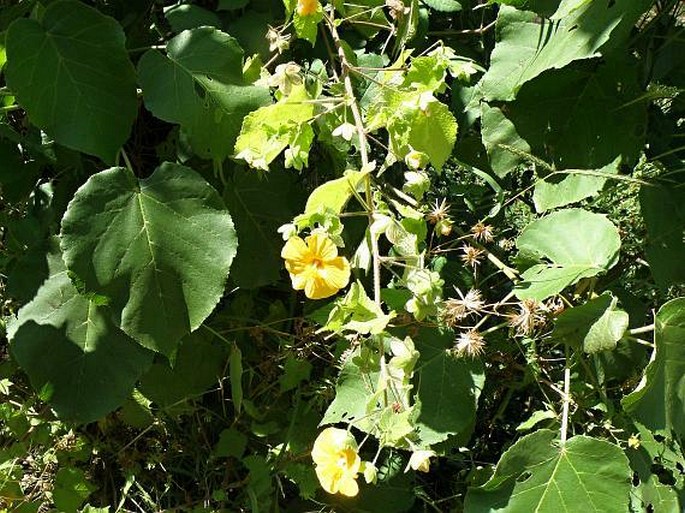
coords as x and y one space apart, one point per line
314 265
307 7
337 461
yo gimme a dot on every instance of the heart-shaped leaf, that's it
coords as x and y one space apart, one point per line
73 353
537 474
159 248
199 84
574 243
88 98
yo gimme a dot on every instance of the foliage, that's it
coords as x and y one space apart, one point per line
302 255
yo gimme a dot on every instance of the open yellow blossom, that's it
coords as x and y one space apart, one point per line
337 461
314 265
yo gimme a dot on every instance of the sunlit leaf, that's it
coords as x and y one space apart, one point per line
569 244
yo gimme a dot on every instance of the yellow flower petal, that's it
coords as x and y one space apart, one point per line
317 288
336 272
295 249
321 246
348 486
337 461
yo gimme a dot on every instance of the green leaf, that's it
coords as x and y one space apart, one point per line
333 195
578 138
90 103
186 16
528 45
538 474
354 394
358 313
71 489
92 365
306 26
657 402
198 365
663 209
294 372
575 243
158 248
571 186
269 130
259 206
596 325
443 5
447 388
434 132
199 84
499 134
231 443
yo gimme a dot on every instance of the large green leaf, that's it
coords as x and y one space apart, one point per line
159 249
539 475
571 186
72 74
569 244
528 45
199 84
260 205
557 116
657 402
595 326
73 353
447 388
663 209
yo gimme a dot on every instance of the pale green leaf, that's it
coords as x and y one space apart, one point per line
657 402
538 474
306 27
199 84
334 194
358 313
571 186
570 245
597 325
269 130
158 248
92 365
72 74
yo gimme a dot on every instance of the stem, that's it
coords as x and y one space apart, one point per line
567 399
642 329
363 144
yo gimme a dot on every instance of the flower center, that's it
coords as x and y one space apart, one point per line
346 459
317 262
